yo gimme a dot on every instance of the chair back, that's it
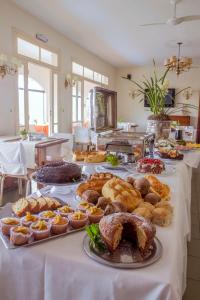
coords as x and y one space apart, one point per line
12 158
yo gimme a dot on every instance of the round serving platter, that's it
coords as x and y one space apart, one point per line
83 178
125 256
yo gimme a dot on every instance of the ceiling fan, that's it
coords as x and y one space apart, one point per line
175 20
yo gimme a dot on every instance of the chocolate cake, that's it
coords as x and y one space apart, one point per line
58 172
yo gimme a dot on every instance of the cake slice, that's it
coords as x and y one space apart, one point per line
20 207
42 204
33 205
57 204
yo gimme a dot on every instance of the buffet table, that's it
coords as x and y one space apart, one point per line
59 269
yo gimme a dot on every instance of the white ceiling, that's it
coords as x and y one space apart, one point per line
110 28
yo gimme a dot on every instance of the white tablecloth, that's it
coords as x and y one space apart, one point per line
61 270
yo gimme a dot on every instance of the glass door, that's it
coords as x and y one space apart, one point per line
38 97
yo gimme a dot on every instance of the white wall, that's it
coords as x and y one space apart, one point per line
12 16
132 111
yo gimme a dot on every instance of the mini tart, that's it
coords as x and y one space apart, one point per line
47 215
95 214
19 235
65 210
78 219
40 229
59 224
84 205
7 223
29 219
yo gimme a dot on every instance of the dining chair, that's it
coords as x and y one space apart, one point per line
82 137
66 149
13 164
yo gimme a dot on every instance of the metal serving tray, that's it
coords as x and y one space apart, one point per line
6 211
126 256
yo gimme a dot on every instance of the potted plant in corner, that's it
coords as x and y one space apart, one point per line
155 89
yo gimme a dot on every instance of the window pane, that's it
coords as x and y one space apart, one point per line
55 128
79 88
74 90
105 80
34 85
79 109
36 108
55 97
88 73
27 49
97 77
77 69
73 109
49 57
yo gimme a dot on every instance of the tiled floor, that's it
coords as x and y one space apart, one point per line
193 273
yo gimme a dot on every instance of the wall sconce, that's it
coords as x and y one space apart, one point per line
187 94
8 66
70 81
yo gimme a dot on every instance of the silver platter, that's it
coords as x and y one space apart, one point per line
126 256
82 179
7 211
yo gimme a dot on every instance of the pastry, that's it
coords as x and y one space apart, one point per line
42 204
29 219
58 172
89 156
7 224
170 154
33 205
114 207
94 214
118 226
47 215
78 219
90 196
105 176
142 185
20 207
143 212
162 216
130 180
164 204
65 210
103 202
95 185
158 187
84 205
152 198
40 229
121 191
150 165
59 224
20 235
147 205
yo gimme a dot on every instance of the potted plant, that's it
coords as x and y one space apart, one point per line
155 89
23 134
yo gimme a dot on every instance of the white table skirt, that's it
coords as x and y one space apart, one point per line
59 269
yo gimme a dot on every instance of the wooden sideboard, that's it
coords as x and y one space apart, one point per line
183 120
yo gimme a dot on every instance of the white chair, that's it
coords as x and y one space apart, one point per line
82 137
66 150
13 164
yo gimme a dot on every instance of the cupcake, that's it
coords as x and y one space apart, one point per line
59 224
7 223
65 210
84 205
20 235
29 219
40 229
95 214
47 215
78 219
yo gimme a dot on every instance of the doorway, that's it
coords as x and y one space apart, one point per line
37 99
